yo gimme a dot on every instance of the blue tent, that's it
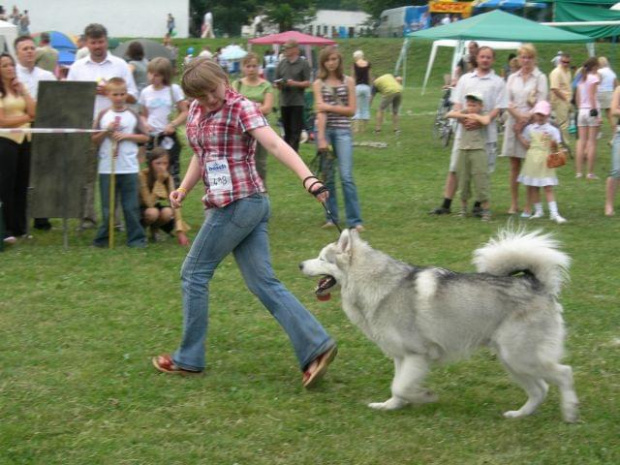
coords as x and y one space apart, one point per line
64 44
507 5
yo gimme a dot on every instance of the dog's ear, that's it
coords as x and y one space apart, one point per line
345 240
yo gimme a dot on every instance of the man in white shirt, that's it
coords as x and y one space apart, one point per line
495 97
605 91
82 49
27 73
99 66
207 26
30 75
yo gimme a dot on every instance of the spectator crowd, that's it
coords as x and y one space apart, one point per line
537 114
134 158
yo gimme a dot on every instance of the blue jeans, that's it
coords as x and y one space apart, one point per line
615 158
241 228
362 93
342 142
127 188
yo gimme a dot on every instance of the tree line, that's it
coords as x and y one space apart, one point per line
230 16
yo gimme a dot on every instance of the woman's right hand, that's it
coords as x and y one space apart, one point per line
322 143
323 107
18 87
161 172
518 126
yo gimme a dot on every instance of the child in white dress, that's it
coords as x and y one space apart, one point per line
540 138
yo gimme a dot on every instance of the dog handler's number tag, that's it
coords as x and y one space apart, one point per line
218 175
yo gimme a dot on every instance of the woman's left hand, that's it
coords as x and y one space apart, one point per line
320 191
322 106
524 119
182 239
169 129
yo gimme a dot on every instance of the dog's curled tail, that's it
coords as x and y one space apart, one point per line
519 250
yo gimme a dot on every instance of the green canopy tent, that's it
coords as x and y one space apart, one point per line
501 26
596 18
493 26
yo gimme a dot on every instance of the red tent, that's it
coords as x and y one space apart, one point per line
281 38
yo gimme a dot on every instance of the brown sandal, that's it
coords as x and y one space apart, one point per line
165 364
311 377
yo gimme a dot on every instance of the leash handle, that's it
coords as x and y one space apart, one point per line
318 191
331 217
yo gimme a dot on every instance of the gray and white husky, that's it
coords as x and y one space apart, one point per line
419 315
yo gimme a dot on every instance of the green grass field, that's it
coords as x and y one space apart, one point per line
78 328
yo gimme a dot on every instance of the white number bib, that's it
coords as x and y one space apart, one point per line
218 176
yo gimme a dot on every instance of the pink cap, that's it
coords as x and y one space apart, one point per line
542 108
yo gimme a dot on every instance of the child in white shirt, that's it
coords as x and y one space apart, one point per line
118 154
540 138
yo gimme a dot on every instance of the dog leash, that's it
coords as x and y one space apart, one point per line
331 217
320 190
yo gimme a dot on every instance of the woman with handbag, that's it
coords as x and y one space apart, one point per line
158 103
541 140
526 88
588 118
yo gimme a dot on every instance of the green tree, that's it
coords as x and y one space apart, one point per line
228 17
286 15
375 7
352 5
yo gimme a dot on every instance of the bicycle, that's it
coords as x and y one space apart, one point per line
443 128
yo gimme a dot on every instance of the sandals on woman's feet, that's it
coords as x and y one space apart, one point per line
314 373
165 364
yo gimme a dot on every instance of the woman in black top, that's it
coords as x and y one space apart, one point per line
361 71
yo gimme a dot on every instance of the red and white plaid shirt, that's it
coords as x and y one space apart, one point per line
226 151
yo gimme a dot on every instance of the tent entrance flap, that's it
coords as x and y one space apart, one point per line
459 51
496 27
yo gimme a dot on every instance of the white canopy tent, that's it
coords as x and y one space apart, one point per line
459 50
459 46
8 33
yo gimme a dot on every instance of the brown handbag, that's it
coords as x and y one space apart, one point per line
556 159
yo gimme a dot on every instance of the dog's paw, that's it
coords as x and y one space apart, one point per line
514 414
393 403
570 413
425 397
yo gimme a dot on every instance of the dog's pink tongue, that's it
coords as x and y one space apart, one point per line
324 297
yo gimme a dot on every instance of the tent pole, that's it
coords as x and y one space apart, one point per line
405 66
401 55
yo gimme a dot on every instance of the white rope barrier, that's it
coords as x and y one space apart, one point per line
48 130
